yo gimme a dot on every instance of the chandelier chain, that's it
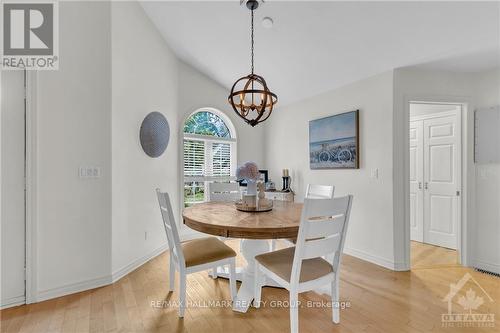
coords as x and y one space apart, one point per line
250 97
252 41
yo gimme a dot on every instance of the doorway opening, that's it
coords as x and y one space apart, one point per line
435 182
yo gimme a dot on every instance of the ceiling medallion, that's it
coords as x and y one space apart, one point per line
250 97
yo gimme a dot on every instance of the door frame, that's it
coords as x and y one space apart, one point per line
31 187
467 190
30 262
419 184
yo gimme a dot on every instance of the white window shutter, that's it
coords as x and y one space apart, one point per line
206 161
194 158
221 159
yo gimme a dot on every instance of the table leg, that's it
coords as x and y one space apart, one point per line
249 249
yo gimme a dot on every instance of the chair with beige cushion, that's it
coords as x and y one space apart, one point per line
299 269
195 255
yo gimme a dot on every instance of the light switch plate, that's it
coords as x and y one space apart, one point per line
86 172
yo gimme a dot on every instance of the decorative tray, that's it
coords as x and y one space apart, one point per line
262 206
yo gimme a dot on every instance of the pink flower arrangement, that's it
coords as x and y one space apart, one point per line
248 171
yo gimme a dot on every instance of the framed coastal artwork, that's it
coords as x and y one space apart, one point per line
334 141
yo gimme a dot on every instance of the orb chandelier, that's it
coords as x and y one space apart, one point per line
250 96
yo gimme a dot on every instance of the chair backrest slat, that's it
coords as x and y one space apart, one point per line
319 191
325 227
167 215
324 208
322 231
223 191
319 247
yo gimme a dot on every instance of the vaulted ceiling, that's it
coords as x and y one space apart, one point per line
318 46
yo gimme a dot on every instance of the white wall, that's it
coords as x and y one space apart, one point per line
474 89
287 142
74 120
145 79
197 90
486 255
12 215
423 109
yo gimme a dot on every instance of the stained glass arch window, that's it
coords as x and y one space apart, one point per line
207 123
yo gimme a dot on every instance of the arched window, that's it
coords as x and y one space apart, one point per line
206 123
209 152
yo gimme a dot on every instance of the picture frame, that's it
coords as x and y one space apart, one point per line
334 141
263 175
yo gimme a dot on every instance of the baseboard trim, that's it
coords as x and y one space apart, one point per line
487 266
11 302
401 267
118 274
186 234
98 282
72 288
374 259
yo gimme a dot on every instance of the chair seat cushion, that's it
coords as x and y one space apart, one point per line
205 250
280 262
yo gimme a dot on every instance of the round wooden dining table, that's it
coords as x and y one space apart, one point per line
254 228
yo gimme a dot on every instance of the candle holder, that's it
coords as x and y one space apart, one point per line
286 184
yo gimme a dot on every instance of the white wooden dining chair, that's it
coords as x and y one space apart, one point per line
193 256
319 191
315 192
224 191
322 231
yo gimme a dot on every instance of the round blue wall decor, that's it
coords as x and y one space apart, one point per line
154 134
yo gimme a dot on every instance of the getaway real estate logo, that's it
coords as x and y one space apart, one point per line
30 35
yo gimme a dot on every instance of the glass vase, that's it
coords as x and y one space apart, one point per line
251 187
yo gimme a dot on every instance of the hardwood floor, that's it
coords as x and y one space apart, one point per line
428 256
380 301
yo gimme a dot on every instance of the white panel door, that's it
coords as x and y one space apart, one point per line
442 175
13 199
416 181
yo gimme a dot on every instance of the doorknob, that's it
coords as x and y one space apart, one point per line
426 185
